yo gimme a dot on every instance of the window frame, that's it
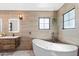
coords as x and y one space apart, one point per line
67 20
39 23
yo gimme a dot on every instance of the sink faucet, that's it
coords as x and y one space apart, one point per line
13 34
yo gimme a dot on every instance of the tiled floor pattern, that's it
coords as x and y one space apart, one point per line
18 53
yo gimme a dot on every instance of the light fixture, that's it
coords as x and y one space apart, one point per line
20 17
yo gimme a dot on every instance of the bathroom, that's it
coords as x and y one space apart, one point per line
28 25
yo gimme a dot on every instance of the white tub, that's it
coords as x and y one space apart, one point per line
45 48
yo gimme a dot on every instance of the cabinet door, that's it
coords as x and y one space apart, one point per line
6 44
12 44
6 47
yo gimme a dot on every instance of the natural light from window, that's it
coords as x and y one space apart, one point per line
44 23
69 19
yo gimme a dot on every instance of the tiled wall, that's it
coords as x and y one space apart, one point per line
68 35
29 24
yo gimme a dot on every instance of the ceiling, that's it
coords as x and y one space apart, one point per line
31 6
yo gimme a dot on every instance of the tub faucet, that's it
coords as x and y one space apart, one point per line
53 37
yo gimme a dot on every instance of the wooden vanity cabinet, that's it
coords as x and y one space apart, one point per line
9 44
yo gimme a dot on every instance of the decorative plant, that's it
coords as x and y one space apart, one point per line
54 21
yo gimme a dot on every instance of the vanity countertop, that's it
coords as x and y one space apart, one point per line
9 37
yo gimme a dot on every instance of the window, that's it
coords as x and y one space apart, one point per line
13 25
44 23
0 25
69 19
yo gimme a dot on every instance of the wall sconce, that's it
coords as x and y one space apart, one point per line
20 17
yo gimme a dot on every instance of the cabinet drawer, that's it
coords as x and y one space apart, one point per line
12 47
6 46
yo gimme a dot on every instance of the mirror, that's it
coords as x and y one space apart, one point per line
14 25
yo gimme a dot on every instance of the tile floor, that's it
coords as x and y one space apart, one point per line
18 53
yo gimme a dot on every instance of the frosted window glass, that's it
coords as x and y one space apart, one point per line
72 14
41 26
66 24
46 26
72 23
69 19
44 23
66 17
46 20
41 20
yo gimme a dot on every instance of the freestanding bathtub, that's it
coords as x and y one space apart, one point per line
45 48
